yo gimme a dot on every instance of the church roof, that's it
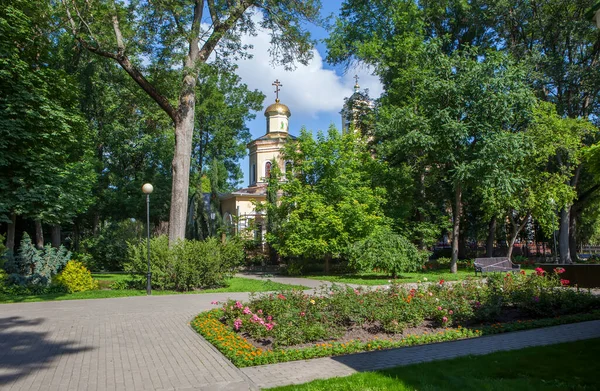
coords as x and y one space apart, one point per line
278 108
258 190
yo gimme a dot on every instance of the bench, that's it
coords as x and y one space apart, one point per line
497 264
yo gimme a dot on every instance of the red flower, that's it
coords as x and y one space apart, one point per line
539 271
522 272
564 282
441 282
282 297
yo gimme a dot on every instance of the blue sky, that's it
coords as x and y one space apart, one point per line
314 93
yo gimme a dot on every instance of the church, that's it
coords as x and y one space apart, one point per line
238 208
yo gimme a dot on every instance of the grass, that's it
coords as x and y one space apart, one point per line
566 366
235 284
382 279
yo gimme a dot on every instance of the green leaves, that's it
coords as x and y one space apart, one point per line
330 201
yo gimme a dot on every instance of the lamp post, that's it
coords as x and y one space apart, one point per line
147 189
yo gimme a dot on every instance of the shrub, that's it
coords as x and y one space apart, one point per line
187 265
36 267
388 251
110 249
75 277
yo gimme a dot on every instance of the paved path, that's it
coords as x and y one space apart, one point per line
133 343
146 343
297 372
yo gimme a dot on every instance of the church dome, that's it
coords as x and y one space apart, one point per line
277 108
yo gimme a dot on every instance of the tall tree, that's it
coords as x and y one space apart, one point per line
46 170
329 202
177 34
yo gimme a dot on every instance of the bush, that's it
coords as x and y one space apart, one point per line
110 249
188 264
388 251
36 267
75 277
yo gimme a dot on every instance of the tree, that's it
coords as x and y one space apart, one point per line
173 35
329 202
46 164
460 105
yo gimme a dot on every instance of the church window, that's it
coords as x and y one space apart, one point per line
267 169
253 174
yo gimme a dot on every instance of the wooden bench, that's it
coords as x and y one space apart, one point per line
497 264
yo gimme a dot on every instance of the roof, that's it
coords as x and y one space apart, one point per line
258 190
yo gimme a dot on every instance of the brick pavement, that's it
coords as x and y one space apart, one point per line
146 343
133 343
297 372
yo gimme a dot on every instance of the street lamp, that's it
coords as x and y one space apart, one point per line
147 189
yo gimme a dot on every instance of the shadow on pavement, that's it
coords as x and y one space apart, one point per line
24 351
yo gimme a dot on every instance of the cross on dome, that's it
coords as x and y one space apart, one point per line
356 86
277 84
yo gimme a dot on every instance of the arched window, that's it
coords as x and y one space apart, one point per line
253 174
267 169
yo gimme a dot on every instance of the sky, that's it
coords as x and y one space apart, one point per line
314 93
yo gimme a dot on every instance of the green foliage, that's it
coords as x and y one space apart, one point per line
36 267
186 265
329 202
109 250
75 277
46 169
387 251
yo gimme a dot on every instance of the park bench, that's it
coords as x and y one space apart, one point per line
497 264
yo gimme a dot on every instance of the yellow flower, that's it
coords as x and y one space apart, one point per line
312 302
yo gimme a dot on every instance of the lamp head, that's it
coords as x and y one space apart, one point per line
147 188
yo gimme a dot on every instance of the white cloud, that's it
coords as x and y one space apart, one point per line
309 89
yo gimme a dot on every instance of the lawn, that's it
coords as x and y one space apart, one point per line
382 279
567 366
235 284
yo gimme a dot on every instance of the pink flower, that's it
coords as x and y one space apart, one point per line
262 322
559 270
430 293
564 282
539 271
259 311
536 299
246 311
269 318
280 296
302 313
444 319
255 318
357 292
237 324
269 326
238 305
439 308
450 312
214 302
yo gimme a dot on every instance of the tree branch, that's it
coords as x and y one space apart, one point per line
212 10
118 35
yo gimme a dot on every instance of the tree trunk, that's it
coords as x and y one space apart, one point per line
10 232
327 263
489 248
181 177
456 228
95 225
39 235
462 241
563 238
516 226
56 235
76 235
573 234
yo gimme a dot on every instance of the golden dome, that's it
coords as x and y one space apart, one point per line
277 108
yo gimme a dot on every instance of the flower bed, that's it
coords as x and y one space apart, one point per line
292 325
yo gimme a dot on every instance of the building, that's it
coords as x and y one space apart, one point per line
239 207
